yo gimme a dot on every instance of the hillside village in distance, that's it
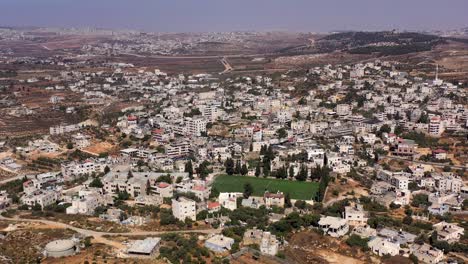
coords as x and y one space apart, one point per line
113 161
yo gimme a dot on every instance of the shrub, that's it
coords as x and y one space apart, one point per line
356 241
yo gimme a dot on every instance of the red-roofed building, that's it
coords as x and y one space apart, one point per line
164 190
405 147
202 192
29 187
213 207
439 154
158 131
132 120
160 135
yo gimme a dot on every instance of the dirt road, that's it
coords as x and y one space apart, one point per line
99 236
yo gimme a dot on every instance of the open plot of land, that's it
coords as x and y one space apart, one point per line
311 247
297 190
25 244
98 148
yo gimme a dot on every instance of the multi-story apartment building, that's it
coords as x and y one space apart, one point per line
42 197
449 184
183 208
178 149
355 215
436 126
62 129
196 126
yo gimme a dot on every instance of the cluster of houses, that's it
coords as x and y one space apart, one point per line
356 114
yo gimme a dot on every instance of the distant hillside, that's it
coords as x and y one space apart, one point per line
382 43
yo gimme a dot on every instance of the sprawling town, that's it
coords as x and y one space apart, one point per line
117 161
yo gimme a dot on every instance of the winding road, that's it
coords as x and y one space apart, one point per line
227 66
99 236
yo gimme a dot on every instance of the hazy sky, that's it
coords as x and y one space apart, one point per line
224 15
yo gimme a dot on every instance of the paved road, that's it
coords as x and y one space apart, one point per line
199 56
227 66
427 163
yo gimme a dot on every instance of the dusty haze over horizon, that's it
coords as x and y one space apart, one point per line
220 15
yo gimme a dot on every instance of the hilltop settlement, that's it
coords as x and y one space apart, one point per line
354 163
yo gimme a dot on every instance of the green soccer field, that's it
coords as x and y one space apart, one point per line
296 189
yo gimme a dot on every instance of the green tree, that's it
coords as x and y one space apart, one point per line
302 101
248 190
302 175
148 187
266 166
407 220
424 118
281 173
282 133
446 168
356 241
96 183
324 180
244 169
291 172
269 153
399 129
385 129
229 165
258 169
287 201
122 196
203 169
238 167
189 168
214 193
300 204
420 199
36 207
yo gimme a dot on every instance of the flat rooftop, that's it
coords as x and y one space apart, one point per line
145 246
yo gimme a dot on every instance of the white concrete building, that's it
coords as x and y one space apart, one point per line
196 126
269 244
333 226
183 208
42 197
62 129
355 215
219 243
426 253
274 199
343 109
449 184
436 126
382 246
400 182
449 232
229 200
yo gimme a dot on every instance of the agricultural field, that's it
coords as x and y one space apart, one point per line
297 190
